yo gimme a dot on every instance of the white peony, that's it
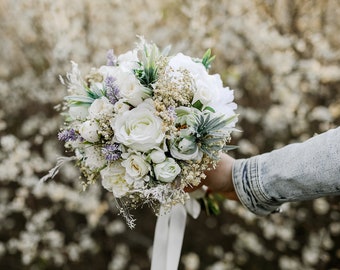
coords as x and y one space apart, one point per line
181 61
113 179
89 131
140 129
136 168
101 107
209 88
128 61
130 88
167 170
222 97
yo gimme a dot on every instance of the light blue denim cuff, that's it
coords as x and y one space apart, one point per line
248 187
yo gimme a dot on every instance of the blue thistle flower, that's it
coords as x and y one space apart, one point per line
111 152
111 58
68 135
112 90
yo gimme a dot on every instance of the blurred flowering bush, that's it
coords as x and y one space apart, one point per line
282 57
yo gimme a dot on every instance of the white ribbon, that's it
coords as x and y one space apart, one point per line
168 239
169 235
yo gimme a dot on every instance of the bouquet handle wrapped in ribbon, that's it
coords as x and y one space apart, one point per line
147 125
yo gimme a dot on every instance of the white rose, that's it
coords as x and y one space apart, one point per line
93 158
138 129
78 112
89 131
101 107
136 168
130 88
113 179
167 170
157 156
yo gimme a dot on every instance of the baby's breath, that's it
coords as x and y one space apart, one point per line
173 88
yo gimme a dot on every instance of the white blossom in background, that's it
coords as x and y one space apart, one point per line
281 57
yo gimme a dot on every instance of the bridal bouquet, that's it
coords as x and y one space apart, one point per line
146 125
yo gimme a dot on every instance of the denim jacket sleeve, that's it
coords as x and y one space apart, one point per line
296 172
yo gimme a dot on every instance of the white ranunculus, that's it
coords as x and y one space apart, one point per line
93 158
185 149
113 179
167 170
186 115
140 129
130 88
157 156
78 112
89 131
136 168
101 107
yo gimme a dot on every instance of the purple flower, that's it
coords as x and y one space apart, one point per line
112 90
111 58
111 152
68 135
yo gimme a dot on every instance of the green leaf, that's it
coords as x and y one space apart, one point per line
207 59
198 105
210 203
79 100
208 108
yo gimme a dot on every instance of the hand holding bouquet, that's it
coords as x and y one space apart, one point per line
147 124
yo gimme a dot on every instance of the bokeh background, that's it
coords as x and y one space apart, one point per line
281 58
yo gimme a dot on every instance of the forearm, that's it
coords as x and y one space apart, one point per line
296 172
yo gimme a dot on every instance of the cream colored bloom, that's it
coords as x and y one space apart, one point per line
136 168
157 156
140 129
101 107
167 170
130 88
113 179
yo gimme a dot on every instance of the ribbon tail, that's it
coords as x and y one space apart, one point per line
160 244
168 239
176 235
